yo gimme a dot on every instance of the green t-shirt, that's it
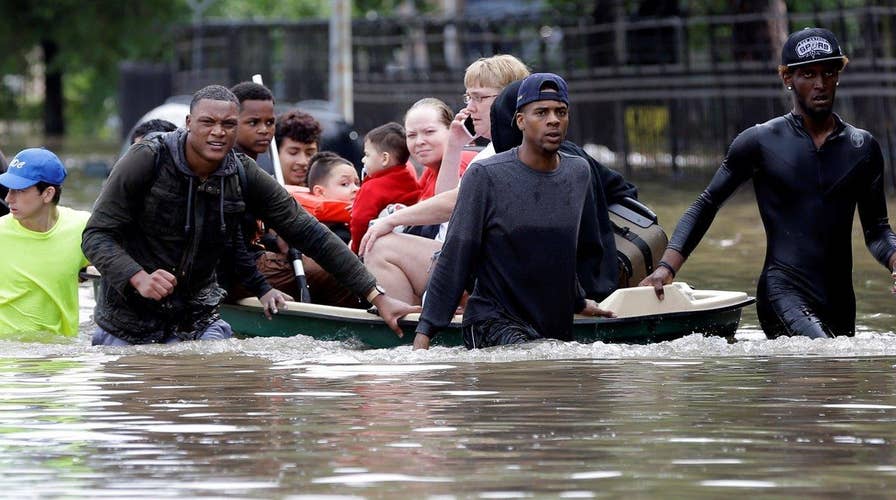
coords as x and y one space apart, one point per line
39 275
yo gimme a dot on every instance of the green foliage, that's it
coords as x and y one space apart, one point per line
293 10
93 37
385 8
282 10
574 8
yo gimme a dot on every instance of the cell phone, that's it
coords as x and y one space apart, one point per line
468 126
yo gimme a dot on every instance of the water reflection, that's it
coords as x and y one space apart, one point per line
179 423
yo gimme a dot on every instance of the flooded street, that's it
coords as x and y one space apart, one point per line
299 418
293 417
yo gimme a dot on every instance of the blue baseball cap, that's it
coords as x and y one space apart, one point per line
533 89
31 166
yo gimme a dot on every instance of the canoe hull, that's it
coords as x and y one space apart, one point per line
642 319
248 321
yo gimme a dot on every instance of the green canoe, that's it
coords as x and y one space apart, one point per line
641 319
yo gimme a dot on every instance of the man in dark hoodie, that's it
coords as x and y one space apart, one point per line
171 208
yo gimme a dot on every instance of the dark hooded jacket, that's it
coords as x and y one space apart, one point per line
609 187
160 215
157 214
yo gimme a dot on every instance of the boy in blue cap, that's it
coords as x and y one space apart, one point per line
41 247
520 220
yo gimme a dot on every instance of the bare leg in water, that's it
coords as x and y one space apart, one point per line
401 263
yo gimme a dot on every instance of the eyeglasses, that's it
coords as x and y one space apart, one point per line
477 98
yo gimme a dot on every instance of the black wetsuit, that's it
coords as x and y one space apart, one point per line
807 198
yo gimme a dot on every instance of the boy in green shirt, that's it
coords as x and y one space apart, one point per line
42 249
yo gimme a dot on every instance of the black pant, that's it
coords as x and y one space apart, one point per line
785 310
499 331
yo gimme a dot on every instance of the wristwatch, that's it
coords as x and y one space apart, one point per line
376 292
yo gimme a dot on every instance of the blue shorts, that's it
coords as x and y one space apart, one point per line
218 330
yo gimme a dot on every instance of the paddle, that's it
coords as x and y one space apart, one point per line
292 253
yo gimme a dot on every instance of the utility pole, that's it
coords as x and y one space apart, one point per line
341 91
198 7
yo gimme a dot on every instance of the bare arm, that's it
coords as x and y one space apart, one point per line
434 210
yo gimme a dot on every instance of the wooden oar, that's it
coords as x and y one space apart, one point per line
293 253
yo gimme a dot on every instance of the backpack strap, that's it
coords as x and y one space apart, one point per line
241 171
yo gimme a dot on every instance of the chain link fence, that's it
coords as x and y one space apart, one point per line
656 93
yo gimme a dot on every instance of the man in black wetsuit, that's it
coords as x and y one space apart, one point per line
810 171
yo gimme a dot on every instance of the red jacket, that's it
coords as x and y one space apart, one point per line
323 209
392 185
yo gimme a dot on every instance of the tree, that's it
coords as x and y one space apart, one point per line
760 40
285 10
82 42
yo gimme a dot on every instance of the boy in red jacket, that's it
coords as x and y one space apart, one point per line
333 183
387 180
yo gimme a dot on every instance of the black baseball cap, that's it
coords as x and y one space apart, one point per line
809 46
533 89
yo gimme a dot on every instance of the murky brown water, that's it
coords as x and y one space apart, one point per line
179 423
297 418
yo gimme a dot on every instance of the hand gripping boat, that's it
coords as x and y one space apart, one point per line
641 319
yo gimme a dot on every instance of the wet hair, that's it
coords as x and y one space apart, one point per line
321 165
150 126
251 91
213 93
495 71
444 112
390 138
298 126
42 186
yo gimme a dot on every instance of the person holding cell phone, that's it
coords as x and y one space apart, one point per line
402 262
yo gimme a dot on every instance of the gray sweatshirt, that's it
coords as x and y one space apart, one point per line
515 233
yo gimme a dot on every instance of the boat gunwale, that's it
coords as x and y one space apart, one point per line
318 311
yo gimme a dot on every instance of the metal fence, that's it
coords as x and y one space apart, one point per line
663 93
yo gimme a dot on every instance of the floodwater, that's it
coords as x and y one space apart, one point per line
298 418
